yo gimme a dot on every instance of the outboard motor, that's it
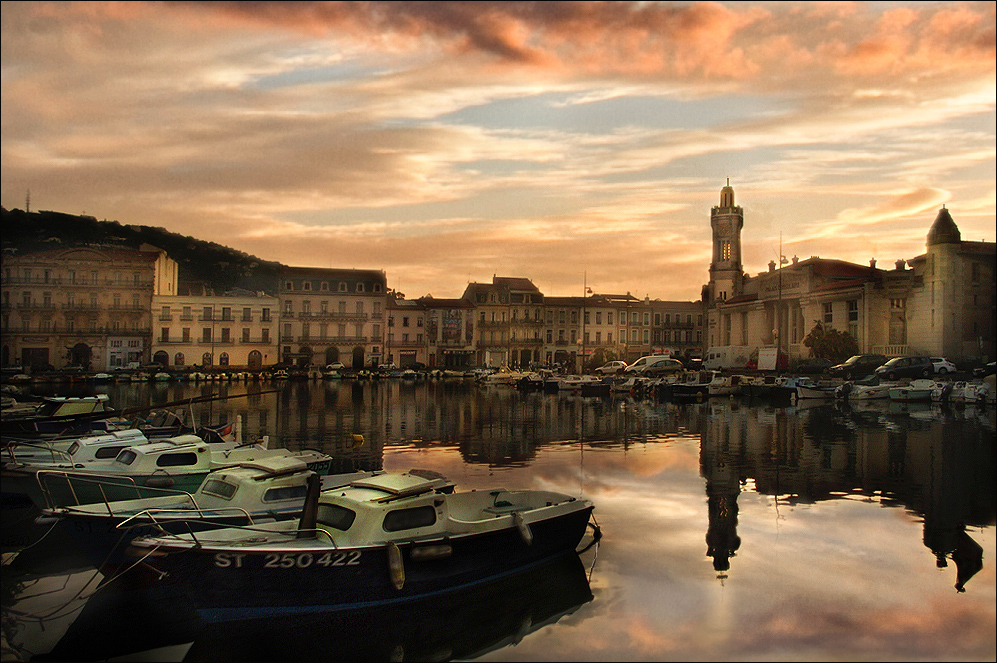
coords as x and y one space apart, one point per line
843 390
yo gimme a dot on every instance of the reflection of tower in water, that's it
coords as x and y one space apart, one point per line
719 466
722 541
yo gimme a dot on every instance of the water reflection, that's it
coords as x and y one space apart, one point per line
899 492
935 462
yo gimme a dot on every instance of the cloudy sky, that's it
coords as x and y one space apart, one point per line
570 143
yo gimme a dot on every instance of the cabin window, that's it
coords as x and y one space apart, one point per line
218 488
401 519
285 493
74 447
108 452
335 516
126 457
175 460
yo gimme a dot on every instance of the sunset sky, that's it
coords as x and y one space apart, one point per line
570 143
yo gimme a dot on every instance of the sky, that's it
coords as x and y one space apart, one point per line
576 144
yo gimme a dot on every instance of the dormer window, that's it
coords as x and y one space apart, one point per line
342 286
360 287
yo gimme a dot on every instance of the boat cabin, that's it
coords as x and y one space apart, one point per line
89 449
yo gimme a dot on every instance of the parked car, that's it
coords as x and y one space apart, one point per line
663 366
857 366
611 368
642 363
906 367
811 366
983 371
943 365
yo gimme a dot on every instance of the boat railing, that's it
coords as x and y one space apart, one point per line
56 455
199 535
74 482
148 516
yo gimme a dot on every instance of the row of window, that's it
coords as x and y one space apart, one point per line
324 286
208 314
563 316
92 277
207 335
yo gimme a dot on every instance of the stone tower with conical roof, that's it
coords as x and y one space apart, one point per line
726 221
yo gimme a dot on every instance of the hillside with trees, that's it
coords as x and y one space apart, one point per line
218 267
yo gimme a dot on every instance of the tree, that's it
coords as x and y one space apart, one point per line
830 344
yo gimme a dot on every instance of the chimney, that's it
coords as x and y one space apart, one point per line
872 263
771 266
795 260
900 265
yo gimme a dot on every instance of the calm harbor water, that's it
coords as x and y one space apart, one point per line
732 530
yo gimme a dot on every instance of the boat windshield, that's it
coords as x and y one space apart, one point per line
285 493
126 457
335 516
218 488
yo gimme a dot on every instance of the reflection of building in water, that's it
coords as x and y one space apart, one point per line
939 464
720 450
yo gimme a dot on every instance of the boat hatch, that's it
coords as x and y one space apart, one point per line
275 466
398 485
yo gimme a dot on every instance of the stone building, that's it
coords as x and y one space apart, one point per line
940 303
88 306
332 315
234 331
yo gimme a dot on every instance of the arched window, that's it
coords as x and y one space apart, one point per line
206 359
223 359
178 359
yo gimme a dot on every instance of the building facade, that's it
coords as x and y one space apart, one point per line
234 331
85 306
332 315
940 303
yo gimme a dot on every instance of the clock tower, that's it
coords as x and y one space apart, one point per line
726 273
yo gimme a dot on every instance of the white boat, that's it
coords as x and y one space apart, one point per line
263 490
864 390
179 462
504 376
388 538
574 383
726 385
967 392
806 388
916 391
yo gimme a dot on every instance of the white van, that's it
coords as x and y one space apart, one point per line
726 356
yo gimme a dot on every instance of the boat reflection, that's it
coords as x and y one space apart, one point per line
932 461
451 625
122 621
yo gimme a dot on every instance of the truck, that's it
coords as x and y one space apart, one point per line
726 356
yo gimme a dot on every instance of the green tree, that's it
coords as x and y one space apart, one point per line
830 344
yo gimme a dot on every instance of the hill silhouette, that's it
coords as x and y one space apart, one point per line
217 267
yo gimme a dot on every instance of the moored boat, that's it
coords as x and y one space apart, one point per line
917 391
180 462
268 489
381 540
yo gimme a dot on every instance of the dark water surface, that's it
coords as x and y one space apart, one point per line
732 530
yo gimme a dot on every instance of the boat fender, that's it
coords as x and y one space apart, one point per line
396 567
161 481
524 529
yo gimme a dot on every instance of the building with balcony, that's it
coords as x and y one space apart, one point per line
332 315
449 333
233 331
509 321
405 341
88 306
